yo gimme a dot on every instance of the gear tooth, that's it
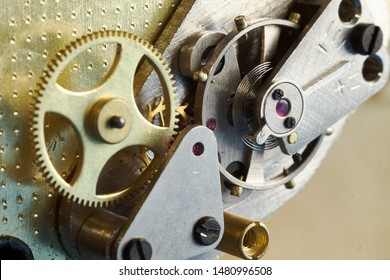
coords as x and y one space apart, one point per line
80 201
87 37
39 152
51 69
73 44
71 197
54 63
79 41
46 75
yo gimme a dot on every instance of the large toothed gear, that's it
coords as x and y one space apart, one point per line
106 118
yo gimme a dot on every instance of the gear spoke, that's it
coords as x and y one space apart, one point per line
144 131
121 78
63 103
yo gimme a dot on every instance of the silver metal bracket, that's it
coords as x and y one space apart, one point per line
186 190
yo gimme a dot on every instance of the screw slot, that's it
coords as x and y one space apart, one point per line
138 249
290 123
367 39
278 94
207 231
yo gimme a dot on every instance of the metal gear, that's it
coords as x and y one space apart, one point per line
106 117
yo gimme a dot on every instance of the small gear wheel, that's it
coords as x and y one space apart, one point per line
106 118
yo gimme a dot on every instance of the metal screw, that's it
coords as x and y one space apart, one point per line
297 158
295 17
241 22
277 94
293 138
367 39
138 249
117 122
290 185
200 76
207 231
290 122
236 191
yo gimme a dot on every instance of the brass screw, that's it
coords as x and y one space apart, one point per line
200 76
290 185
236 191
295 17
241 22
293 138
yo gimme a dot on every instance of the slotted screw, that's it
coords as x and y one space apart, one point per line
290 122
277 94
138 249
207 231
367 39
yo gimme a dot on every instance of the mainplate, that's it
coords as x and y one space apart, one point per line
32 32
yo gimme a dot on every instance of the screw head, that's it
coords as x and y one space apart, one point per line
367 39
138 249
290 185
200 76
207 231
277 94
236 191
290 123
293 139
297 158
241 22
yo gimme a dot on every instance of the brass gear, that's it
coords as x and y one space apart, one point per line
106 118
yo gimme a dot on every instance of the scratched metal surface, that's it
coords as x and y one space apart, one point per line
31 33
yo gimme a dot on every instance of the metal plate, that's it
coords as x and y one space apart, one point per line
31 33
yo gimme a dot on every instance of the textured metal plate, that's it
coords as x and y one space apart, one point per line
31 34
